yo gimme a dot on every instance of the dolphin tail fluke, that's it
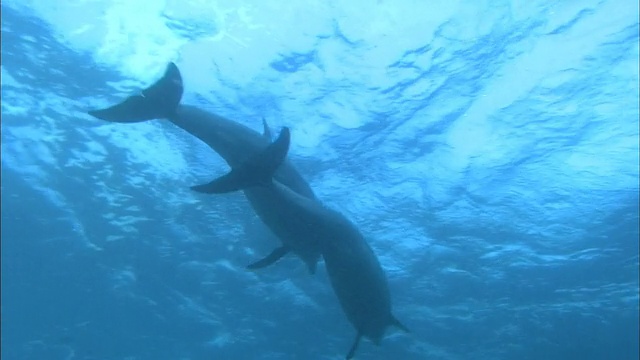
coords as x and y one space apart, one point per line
395 322
354 346
257 170
224 184
158 101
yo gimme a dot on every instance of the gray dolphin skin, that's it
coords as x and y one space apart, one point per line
234 142
354 270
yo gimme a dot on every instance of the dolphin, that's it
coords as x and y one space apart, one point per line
355 273
234 142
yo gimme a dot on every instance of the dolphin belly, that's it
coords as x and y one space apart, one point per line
296 234
355 273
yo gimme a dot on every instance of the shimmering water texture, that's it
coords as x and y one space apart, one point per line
486 151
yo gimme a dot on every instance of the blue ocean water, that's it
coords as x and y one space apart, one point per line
488 151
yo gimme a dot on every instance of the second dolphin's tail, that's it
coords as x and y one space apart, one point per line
257 170
158 101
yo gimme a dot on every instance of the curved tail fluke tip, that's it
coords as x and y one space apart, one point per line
158 101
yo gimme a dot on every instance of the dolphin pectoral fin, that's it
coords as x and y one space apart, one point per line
395 322
160 100
257 170
275 255
266 133
354 346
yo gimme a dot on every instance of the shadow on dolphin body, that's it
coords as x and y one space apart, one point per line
231 140
354 270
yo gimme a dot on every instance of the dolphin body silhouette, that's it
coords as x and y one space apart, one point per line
354 270
234 142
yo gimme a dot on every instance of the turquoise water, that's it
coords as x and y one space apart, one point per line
487 150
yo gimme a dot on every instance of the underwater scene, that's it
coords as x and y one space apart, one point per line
367 179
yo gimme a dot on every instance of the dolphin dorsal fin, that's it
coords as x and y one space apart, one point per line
255 171
266 132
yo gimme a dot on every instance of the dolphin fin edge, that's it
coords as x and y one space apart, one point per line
354 346
257 170
266 130
158 101
395 322
275 255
